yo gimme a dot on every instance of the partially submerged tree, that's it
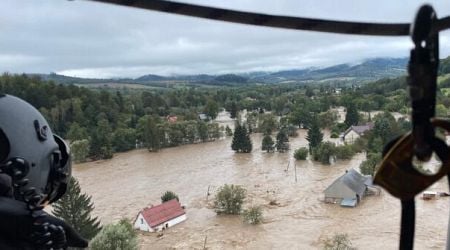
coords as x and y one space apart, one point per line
267 143
229 199
253 215
75 208
241 140
169 195
116 236
282 144
301 153
338 242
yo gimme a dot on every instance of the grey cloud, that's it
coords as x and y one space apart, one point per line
98 40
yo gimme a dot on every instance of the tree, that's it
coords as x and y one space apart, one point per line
352 116
267 143
169 195
124 139
282 144
116 236
301 153
241 140
79 150
314 136
202 130
101 146
233 110
228 131
76 132
211 109
324 152
338 242
267 123
75 208
150 133
229 199
253 215
368 167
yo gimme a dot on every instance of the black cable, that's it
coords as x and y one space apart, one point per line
407 225
277 21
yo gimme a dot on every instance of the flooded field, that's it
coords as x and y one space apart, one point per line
131 181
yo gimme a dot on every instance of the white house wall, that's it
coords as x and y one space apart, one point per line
141 224
144 226
351 136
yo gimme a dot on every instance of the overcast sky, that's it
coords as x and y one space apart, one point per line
86 39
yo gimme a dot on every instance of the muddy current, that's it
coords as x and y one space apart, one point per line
297 219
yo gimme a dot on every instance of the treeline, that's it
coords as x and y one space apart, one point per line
99 123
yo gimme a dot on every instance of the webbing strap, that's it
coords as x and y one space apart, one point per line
407 224
278 21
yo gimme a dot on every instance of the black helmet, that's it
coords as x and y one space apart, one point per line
37 160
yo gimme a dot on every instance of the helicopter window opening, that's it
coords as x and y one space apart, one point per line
4 146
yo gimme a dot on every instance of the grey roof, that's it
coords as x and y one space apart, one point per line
360 129
355 181
349 202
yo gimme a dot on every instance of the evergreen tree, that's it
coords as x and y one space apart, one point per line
352 116
241 140
267 143
75 208
151 136
282 144
233 110
314 136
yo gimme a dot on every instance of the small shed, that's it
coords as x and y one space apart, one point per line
160 217
348 189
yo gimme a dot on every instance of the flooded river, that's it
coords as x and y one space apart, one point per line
131 181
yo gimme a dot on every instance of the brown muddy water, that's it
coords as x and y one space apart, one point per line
131 181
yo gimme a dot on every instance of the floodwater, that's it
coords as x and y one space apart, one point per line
122 186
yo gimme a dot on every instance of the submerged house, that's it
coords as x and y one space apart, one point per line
160 217
354 132
348 189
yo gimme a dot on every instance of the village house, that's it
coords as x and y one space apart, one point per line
348 189
354 132
172 118
160 217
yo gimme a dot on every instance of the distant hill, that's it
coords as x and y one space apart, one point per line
369 70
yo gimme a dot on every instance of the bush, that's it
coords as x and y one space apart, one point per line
301 153
338 242
334 135
253 215
345 152
229 199
169 195
116 236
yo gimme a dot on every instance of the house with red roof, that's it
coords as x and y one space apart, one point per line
160 217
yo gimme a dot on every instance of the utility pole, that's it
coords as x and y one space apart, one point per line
295 169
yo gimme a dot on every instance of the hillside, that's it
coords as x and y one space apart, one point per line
366 71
